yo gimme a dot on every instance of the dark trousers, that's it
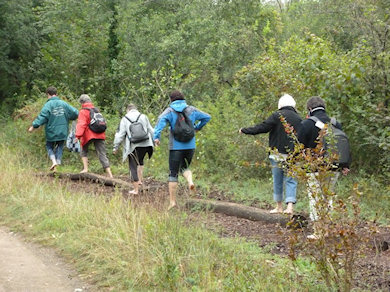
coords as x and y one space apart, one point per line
179 161
137 158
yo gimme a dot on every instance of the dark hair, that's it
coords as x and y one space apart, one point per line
176 95
315 101
51 90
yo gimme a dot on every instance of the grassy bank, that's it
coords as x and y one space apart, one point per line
118 246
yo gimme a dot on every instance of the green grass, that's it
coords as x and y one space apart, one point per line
115 245
122 248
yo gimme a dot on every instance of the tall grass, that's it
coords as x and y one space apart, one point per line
118 246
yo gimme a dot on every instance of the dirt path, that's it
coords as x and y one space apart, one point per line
27 267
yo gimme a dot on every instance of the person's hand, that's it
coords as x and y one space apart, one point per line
345 171
31 129
239 131
115 151
75 140
157 142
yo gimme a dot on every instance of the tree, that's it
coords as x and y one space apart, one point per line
18 48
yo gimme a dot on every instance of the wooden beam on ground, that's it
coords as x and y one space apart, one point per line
237 210
96 178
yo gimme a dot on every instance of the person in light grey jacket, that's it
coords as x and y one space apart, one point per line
135 149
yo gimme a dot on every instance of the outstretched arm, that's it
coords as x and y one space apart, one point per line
162 121
263 127
82 124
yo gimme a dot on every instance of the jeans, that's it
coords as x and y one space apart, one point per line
281 179
55 150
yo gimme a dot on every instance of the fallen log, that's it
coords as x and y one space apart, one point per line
237 210
96 178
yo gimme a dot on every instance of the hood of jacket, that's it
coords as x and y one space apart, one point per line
179 105
87 105
133 114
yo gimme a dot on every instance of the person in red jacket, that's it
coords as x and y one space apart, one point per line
87 136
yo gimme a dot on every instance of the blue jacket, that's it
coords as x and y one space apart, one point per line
169 116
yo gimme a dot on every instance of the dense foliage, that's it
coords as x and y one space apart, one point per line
232 58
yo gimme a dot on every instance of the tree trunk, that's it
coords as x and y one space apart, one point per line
237 210
96 178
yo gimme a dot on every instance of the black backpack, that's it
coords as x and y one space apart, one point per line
137 131
340 146
97 124
184 129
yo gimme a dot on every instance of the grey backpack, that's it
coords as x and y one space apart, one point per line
137 131
340 146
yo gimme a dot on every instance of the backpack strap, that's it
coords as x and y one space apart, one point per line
333 120
91 109
135 120
138 117
182 112
317 120
129 120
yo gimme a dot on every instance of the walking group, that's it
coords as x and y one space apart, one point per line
134 132
139 138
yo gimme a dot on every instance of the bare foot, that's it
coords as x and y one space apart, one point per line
191 187
53 167
171 206
288 211
276 211
133 192
84 171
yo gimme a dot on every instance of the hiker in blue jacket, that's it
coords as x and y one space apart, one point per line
55 115
180 153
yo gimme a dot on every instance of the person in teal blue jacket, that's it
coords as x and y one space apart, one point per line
180 153
55 115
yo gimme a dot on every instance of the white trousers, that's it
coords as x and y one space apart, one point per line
315 189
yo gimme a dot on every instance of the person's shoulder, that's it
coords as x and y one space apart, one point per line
167 111
191 107
308 121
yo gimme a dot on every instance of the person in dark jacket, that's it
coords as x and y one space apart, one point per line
55 115
307 135
180 153
283 143
309 130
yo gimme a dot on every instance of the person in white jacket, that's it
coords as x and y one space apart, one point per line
136 131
